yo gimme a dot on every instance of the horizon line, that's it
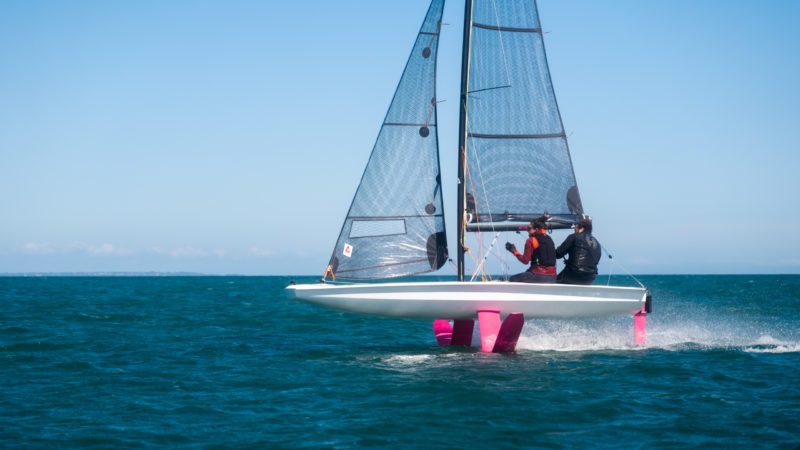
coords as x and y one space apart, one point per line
154 273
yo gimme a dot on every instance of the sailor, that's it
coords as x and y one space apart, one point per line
540 252
584 253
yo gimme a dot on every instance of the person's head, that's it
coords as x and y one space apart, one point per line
584 225
537 224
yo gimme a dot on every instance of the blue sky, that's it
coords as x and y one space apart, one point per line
229 137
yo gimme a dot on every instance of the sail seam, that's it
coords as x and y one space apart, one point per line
517 136
502 28
399 124
380 218
522 217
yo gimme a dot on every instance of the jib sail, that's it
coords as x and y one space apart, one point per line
395 225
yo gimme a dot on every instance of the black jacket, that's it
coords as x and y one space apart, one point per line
584 253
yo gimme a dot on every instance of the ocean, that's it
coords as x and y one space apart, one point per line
231 362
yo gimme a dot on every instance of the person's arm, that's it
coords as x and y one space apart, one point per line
530 245
565 246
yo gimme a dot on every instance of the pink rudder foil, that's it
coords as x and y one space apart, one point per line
639 328
489 323
509 333
443 332
462 332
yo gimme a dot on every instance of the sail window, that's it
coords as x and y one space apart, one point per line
377 228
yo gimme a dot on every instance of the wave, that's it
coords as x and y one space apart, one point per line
794 348
768 344
616 335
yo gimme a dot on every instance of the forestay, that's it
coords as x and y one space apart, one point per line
518 161
395 225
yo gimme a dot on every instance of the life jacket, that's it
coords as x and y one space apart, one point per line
545 253
585 254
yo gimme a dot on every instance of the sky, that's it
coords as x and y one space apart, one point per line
229 137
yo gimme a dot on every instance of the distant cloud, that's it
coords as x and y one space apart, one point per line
102 249
37 248
180 252
108 249
260 252
40 248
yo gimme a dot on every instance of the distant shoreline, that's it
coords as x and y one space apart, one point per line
112 274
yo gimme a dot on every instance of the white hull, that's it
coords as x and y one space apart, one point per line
454 300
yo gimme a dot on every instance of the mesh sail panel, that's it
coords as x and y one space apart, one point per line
395 225
518 161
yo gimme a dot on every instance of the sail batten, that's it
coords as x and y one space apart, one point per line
395 224
517 136
395 124
510 29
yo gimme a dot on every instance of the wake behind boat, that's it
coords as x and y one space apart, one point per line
514 166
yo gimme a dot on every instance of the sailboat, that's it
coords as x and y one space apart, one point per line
514 165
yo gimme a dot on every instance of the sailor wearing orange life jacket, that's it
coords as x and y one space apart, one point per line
540 252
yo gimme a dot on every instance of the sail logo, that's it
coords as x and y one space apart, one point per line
348 250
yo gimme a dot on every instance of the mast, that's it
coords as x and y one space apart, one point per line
462 136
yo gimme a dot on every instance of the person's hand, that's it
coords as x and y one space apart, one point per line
511 247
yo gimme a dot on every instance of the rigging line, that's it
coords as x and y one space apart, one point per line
481 265
483 184
504 265
474 260
502 46
479 234
502 258
486 255
479 238
611 257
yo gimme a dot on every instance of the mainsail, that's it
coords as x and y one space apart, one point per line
395 225
517 164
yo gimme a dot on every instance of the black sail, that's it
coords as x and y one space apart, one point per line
395 225
517 158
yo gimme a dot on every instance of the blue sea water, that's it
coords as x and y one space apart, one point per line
232 362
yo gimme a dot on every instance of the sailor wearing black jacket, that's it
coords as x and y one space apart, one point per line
584 253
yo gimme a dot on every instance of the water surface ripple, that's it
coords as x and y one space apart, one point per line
232 362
